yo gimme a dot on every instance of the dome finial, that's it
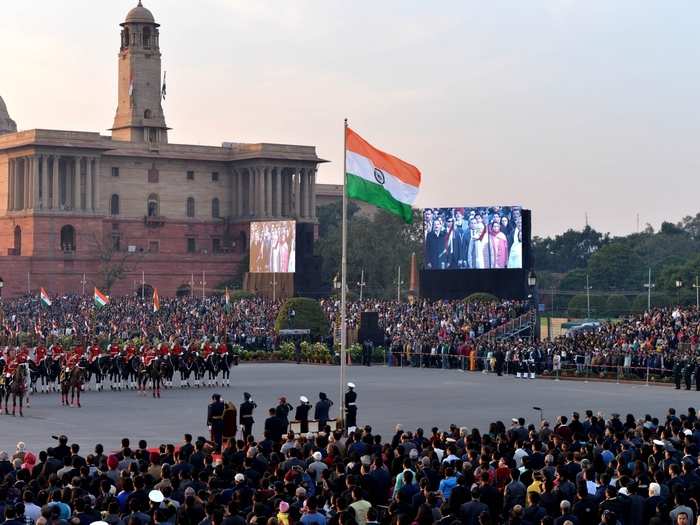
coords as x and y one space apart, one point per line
140 4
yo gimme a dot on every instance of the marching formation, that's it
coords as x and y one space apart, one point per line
118 367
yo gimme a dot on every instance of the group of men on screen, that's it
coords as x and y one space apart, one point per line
272 247
473 238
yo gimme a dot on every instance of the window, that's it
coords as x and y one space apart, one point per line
153 174
153 246
114 205
190 175
115 172
116 241
216 246
215 176
147 114
18 241
68 238
191 245
147 37
190 206
215 208
153 208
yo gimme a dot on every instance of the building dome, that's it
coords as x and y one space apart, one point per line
140 15
7 125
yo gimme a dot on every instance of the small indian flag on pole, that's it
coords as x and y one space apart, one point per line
379 178
100 299
46 301
156 300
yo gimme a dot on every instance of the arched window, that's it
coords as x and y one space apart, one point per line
125 38
190 206
147 37
215 208
153 206
147 114
68 238
18 240
114 205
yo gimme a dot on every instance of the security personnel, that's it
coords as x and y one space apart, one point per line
688 369
246 412
677 372
323 407
215 419
301 414
350 406
697 374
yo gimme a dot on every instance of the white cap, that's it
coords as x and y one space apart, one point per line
156 496
658 442
99 523
239 477
318 456
351 385
304 399
688 432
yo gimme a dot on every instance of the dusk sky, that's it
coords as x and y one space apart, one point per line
566 107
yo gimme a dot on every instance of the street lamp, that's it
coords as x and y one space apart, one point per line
679 285
649 285
697 293
588 299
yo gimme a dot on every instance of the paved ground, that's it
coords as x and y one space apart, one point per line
386 396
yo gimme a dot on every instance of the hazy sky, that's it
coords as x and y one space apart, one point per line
565 107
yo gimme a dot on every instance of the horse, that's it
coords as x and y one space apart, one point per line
50 370
71 380
212 366
15 384
185 366
156 371
227 360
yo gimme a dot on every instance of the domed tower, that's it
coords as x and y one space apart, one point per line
139 115
7 125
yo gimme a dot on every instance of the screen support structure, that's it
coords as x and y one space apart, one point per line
343 279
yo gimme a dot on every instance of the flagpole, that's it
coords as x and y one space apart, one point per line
343 279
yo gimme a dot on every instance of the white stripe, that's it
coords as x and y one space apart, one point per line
363 167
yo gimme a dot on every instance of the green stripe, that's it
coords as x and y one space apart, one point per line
363 190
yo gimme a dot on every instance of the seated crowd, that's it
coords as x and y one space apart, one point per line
586 470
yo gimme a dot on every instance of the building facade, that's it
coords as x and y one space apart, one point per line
132 210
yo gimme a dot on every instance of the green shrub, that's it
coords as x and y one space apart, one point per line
617 306
308 315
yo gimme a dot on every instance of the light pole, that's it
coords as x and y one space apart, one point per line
362 282
398 284
83 282
588 299
649 285
274 287
532 283
679 285
697 293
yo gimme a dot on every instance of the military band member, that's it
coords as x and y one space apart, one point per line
302 414
350 406
246 419
215 419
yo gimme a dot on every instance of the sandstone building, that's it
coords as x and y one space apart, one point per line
76 208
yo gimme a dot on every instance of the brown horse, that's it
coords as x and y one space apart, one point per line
16 385
71 382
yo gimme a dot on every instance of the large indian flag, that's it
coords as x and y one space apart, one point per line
100 299
379 178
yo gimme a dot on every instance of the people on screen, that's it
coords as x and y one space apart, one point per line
473 238
272 247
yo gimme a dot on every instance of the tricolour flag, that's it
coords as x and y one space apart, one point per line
379 178
156 300
100 299
44 297
227 299
164 89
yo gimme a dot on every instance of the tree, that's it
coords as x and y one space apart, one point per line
566 251
114 264
617 306
578 306
616 267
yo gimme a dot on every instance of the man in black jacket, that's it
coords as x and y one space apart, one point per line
274 426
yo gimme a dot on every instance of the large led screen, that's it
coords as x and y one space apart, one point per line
482 237
272 246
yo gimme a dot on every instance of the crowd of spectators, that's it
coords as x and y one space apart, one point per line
581 470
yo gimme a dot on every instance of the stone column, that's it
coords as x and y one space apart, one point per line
297 192
43 183
55 181
10 183
278 191
76 184
251 192
239 193
268 192
260 188
312 191
88 184
96 186
35 182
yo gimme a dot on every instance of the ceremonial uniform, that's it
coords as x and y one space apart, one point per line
282 411
350 407
246 418
215 419
323 407
677 373
301 414
688 370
